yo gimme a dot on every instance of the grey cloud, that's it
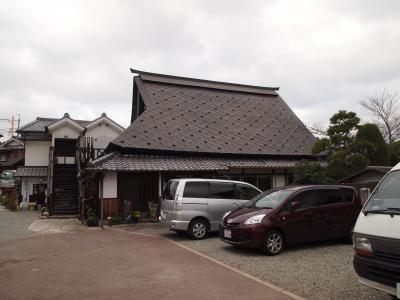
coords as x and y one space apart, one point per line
74 56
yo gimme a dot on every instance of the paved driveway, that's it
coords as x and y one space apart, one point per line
315 271
14 224
116 265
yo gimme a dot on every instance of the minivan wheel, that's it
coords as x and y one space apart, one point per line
198 229
273 242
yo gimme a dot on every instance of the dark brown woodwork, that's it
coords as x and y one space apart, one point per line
138 189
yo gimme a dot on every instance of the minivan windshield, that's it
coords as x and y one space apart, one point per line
269 199
386 197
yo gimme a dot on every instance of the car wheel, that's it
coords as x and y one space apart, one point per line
198 229
273 242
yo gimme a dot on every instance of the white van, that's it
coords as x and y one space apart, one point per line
377 236
196 206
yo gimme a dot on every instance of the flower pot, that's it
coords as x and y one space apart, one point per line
135 220
92 222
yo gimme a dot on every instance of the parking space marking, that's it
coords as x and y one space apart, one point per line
265 283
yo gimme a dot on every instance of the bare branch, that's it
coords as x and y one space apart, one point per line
384 107
318 128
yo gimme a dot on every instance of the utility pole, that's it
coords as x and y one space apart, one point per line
12 126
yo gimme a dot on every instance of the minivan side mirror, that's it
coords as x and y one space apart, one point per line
294 205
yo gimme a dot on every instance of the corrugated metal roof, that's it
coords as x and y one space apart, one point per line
185 117
120 162
31 172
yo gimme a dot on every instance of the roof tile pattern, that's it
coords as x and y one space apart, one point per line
31 172
206 120
40 124
119 162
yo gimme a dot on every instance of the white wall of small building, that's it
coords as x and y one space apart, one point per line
37 153
27 186
65 132
110 183
102 134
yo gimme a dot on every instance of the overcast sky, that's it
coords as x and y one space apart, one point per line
74 56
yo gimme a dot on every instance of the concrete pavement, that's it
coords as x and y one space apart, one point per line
110 265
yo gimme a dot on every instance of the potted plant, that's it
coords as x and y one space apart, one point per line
135 215
91 220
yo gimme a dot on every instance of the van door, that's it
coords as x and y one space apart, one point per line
167 204
221 199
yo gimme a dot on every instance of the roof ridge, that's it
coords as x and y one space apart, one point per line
203 80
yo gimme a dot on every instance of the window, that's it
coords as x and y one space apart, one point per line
3 157
222 190
306 199
246 192
387 194
348 195
329 196
196 190
264 182
269 199
170 190
250 179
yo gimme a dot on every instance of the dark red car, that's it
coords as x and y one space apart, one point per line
290 215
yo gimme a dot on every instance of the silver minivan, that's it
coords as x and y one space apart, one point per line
196 206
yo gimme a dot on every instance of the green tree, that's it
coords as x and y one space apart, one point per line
343 163
340 129
309 172
394 153
370 142
321 145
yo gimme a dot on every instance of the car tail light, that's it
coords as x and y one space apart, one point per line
178 202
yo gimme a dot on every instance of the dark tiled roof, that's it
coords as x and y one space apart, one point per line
183 117
31 172
378 169
119 162
40 124
147 76
12 162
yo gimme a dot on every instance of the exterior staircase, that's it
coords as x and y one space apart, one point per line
65 196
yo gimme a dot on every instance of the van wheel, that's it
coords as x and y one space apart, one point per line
273 242
198 229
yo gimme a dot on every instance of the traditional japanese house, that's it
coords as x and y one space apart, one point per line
185 127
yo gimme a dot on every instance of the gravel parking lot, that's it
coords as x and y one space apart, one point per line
314 271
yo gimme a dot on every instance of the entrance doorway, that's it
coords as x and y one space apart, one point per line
65 151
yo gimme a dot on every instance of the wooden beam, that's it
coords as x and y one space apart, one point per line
101 201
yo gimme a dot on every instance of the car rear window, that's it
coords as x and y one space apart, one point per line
246 192
348 195
170 190
222 190
329 196
195 189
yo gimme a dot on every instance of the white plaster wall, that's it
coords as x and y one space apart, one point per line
102 134
110 185
278 181
27 186
65 132
37 153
